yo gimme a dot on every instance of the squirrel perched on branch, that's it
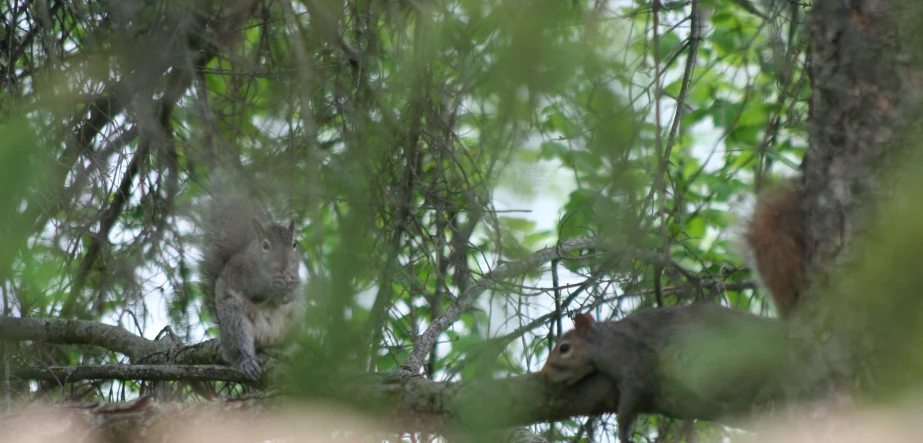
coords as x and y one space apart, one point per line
773 245
250 272
690 361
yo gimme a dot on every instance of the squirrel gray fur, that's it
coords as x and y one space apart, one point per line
665 361
250 273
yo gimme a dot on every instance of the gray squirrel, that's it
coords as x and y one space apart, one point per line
250 273
681 361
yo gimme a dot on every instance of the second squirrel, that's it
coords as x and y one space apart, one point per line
250 270
680 361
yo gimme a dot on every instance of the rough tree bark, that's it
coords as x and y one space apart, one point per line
866 92
867 87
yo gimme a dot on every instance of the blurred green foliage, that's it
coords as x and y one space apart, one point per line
390 128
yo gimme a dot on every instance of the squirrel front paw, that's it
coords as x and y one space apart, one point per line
250 366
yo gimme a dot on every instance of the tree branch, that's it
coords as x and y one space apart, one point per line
70 374
424 405
249 419
78 332
113 338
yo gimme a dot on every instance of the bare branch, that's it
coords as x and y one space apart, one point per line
78 332
113 338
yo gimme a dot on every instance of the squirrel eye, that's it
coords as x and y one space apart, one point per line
266 245
565 348
294 244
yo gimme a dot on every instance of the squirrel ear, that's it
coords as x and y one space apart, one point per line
584 320
291 225
257 226
585 324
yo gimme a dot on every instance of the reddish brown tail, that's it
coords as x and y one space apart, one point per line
774 237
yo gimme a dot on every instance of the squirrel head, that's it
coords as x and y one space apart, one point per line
572 359
278 257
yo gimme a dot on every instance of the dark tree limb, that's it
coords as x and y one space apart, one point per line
112 338
423 405
77 332
70 374
249 419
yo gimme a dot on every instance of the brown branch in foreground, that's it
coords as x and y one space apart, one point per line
251 419
70 374
421 405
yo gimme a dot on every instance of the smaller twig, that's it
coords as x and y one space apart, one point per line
463 303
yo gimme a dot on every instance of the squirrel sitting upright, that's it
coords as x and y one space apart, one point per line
250 273
681 361
773 245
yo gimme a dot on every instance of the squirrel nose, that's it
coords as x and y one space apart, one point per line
277 284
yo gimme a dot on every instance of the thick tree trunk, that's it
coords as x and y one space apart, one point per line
867 91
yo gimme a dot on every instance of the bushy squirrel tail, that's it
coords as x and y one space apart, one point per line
774 244
226 220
